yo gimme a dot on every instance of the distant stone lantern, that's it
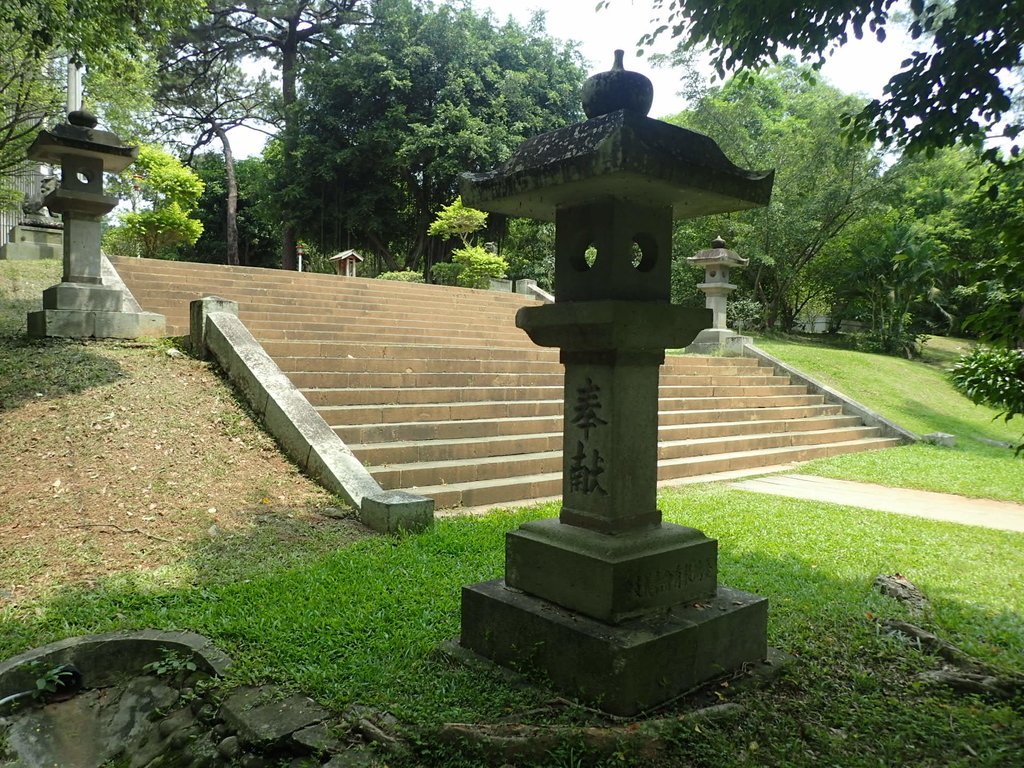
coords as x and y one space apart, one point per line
81 305
716 262
607 601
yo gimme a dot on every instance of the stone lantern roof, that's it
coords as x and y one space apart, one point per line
619 152
80 137
717 255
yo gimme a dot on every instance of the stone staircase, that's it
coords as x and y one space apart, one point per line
437 392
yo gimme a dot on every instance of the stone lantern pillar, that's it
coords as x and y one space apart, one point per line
716 261
607 601
80 305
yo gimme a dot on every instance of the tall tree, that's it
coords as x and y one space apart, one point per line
409 104
29 94
256 226
203 92
283 32
782 119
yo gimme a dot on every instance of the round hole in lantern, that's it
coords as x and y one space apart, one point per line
83 178
582 253
711 273
644 253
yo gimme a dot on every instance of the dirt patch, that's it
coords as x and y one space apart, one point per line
117 456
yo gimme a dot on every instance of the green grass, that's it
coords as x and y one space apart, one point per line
49 368
916 395
362 623
302 606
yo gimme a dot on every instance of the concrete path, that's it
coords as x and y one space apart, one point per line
1002 515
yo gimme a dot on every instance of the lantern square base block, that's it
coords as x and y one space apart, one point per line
611 578
623 669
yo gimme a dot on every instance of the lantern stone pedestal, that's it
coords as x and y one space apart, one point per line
608 602
28 242
80 306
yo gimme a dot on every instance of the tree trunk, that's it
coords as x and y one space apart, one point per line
231 222
289 145
383 252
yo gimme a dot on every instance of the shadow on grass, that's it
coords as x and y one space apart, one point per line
360 621
48 368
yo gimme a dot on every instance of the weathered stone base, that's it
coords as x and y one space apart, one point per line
30 251
623 669
83 296
611 578
29 243
90 324
718 340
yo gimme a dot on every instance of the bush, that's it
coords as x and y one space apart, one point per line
405 276
470 267
993 377
445 273
745 315
478 266
906 344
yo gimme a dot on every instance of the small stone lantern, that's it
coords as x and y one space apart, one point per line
81 305
717 261
607 601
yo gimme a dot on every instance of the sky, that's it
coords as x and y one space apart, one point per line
862 66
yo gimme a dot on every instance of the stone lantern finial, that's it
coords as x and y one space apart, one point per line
617 89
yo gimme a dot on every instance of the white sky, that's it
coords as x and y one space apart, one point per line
862 66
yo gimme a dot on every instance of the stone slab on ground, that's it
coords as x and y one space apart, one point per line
987 513
262 719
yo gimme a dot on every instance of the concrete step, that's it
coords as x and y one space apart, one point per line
386 381
442 363
412 431
409 451
438 392
364 350
344 415
679 397
422 395
494 492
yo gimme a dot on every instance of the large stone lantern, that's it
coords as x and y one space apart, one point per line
81 305
607 601
716 262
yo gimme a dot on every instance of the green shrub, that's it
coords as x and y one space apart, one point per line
405 276
745 315
993 377
478 266
445 273
470 267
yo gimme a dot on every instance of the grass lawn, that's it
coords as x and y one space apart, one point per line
916 395
361 622
311 604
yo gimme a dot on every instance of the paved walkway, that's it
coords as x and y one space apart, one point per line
1002 515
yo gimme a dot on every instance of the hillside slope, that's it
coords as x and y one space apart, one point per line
118 456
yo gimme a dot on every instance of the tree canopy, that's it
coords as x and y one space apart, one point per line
952 89
780 119
405 107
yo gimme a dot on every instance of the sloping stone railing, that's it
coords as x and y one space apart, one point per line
850 406
217 332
